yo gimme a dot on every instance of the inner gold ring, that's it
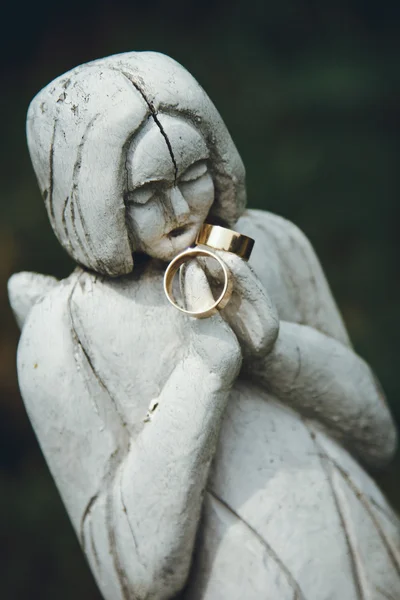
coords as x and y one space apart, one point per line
174 267
221 238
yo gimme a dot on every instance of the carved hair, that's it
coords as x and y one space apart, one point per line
79 129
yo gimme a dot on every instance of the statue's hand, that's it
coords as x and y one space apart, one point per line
250 312
212 338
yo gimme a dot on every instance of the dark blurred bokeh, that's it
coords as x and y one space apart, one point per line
311 94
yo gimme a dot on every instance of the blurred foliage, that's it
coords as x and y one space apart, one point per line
310 92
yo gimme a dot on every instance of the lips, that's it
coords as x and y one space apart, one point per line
179 230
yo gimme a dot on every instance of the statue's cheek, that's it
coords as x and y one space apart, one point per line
146 222
199 194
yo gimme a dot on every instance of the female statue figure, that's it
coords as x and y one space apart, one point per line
215 458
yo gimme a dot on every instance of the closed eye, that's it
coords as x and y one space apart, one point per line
141 195
195 171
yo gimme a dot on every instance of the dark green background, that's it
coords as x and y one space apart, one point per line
310 92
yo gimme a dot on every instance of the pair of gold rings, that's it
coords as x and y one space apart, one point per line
217 238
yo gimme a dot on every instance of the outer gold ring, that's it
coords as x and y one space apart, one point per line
174 267
221 238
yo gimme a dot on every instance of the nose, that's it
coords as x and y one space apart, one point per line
179 206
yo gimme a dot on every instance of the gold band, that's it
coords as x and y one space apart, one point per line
221 238
174 267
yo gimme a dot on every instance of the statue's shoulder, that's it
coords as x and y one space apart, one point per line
25 289
66 401
281 241
44 295
41 305
53 367
49 345
45 359
267 226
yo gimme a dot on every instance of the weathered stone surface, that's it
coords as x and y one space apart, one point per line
214 458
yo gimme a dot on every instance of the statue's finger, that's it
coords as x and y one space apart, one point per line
245 280
195 289
251 313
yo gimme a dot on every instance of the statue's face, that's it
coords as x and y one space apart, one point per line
167 203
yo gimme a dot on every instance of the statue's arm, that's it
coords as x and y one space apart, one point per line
158 490
311 366
326 381
25 289
134 498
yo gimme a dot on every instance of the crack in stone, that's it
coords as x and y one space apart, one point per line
156 120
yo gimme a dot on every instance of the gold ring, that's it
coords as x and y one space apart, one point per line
174 267
221 238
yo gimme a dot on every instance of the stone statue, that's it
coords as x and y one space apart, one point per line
214 458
